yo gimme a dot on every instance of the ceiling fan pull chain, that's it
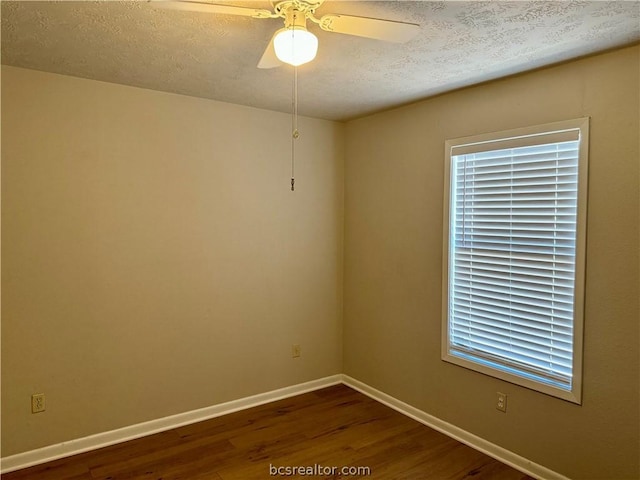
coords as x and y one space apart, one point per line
294 125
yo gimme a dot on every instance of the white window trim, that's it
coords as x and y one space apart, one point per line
575 394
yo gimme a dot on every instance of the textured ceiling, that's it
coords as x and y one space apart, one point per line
215 56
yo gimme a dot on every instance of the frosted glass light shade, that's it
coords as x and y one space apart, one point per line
295 45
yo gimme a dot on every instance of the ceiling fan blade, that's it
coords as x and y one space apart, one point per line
211 8
388 30
269 58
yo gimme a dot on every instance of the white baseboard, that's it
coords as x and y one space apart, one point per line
104 439
99 440
501 454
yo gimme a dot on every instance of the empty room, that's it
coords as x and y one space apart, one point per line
326 239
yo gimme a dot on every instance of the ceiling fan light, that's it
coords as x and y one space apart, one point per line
295 45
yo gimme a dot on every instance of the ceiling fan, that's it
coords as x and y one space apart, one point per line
294 44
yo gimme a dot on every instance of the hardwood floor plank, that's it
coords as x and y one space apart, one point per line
55 470
334 427
151 463
130 450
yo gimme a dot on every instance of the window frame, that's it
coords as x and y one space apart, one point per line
573 395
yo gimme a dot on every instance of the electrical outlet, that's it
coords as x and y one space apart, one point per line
295 351
501 402
37 403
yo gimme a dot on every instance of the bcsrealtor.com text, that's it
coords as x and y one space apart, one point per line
317 470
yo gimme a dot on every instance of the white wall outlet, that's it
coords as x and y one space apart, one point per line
37 403
501 402
295 351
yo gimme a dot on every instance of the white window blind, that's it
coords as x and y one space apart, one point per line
511 293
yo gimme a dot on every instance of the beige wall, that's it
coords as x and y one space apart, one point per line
154 259
393 263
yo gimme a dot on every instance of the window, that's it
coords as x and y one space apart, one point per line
513 280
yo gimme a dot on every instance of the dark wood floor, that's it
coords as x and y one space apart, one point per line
333 427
